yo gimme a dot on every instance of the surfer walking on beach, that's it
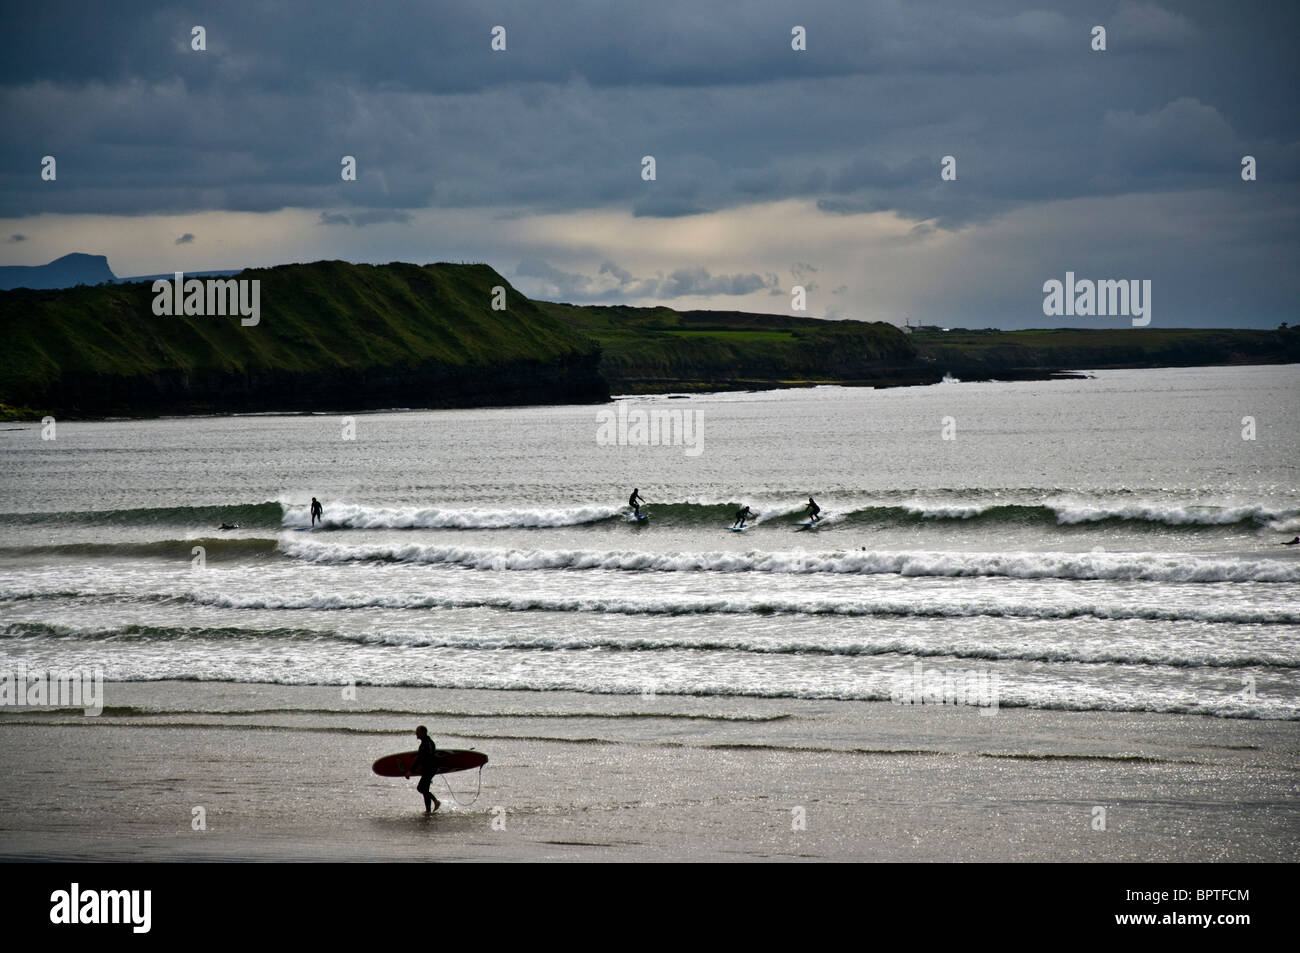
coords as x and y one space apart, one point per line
317 512
425 765
635 502
743 514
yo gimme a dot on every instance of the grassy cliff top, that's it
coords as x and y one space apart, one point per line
1109 347
629 336
314 317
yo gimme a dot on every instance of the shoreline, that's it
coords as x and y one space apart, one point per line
282 773
667 388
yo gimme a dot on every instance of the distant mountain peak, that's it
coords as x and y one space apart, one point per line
76 268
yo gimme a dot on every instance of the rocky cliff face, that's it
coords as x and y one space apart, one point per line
574 380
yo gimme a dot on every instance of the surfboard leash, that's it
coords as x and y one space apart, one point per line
458 801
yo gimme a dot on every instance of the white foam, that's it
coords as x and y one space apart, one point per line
352 516
685 605
947 510
1140 567
1162 513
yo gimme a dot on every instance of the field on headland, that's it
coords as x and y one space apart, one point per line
973 355
334 336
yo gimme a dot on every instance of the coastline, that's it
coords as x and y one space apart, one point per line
658 389
282 773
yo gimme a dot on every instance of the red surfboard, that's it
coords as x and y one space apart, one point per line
449 760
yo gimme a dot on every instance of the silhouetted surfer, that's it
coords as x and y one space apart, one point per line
230 526
813 510
426 763
317 512
1293 542
743 514
635 502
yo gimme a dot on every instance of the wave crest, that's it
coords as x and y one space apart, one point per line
1136 567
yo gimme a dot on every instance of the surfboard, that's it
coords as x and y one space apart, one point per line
638 519
737 529
449 760
808 525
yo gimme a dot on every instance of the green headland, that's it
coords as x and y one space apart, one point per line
335 336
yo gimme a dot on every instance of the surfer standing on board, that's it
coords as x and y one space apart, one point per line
813 510
425 765
635 502
743 514
317 512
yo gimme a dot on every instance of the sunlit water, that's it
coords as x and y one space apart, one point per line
1106 543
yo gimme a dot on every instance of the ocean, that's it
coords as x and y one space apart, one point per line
1107 543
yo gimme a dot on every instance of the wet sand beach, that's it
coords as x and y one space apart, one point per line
283 773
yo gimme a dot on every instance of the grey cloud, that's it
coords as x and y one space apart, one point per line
1147 26
615 283
1038 122
698 281
858 123
442 46
667 207
1185 135
609 268
380 215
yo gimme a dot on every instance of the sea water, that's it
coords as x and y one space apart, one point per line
1111 542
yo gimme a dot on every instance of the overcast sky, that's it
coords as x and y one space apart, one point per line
774 167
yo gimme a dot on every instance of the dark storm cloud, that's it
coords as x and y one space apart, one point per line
443 47
142 123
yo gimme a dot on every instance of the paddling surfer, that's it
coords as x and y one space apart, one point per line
317 512
426 760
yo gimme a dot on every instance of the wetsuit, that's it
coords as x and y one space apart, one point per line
426 764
